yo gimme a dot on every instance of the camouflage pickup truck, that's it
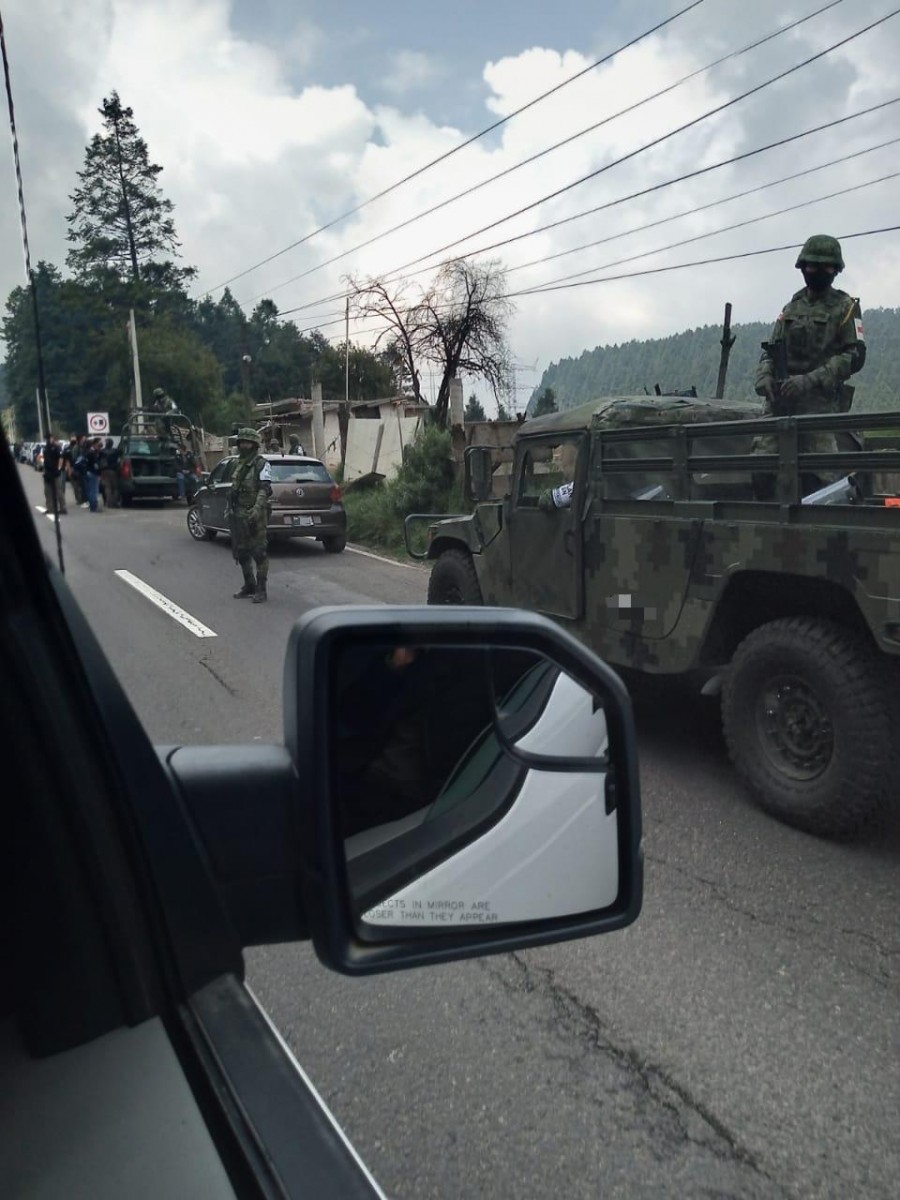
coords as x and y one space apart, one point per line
639 524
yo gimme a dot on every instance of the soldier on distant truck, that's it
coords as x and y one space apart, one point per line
817 342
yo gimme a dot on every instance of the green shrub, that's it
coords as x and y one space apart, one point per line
424 483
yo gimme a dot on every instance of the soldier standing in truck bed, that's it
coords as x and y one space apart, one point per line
816 345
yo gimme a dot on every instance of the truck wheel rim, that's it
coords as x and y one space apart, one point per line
794 727
197 527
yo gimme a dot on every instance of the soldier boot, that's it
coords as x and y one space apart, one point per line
262 577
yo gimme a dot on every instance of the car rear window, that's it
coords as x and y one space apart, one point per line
299 473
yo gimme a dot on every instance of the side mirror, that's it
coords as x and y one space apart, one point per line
479 473
472 785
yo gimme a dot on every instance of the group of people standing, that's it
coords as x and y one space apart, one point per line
89 465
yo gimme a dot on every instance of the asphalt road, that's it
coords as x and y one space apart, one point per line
741 1040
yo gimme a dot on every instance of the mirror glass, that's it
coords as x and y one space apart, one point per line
473 785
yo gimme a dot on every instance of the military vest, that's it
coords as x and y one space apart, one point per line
245 484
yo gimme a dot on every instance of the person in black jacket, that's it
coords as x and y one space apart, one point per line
54 489
109 475
92 473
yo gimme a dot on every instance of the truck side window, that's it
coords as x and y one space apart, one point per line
544 466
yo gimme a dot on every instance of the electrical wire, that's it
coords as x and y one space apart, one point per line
720 108
462 145
656 187
690 212
548 150
701 262
699 237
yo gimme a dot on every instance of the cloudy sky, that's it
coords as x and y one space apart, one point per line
272 117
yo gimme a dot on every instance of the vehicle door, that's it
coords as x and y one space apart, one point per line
214 502
545 520
637 559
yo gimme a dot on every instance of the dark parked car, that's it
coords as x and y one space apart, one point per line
307 502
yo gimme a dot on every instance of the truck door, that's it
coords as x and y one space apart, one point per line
544 539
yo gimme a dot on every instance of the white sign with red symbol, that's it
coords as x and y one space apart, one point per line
98 422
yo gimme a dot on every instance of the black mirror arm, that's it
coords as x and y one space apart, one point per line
242 803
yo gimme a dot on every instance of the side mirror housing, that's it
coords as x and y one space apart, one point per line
471 785
479 472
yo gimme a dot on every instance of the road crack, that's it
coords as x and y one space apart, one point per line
695 1123
883 977
218 678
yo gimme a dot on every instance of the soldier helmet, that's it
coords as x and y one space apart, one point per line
158 392
821 248
247 435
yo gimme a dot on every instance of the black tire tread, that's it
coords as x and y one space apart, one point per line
455 565
865 779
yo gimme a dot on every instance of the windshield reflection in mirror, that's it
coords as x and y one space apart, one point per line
445 823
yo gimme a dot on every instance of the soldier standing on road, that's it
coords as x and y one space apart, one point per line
248 512
816 345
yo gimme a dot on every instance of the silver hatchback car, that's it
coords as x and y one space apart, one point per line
307 502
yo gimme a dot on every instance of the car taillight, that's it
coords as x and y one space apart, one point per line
125 468
336 495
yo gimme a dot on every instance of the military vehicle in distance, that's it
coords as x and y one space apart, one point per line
151 448
636 523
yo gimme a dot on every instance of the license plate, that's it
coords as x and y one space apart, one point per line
301 520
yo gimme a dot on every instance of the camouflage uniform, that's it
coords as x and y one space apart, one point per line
248 512
823 343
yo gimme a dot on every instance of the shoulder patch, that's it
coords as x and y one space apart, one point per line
859 330
265 475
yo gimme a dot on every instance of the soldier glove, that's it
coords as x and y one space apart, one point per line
795 386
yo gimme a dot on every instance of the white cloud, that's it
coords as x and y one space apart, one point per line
254 162
412 70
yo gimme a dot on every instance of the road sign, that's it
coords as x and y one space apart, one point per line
98 423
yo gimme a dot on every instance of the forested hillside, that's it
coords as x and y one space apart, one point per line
691 359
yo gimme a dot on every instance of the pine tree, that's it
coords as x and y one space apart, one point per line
474 410
545 403
122 227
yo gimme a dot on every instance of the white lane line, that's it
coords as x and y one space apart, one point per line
40 508
380 558
197 628
50 517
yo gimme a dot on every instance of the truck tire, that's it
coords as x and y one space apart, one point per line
806 711
453 580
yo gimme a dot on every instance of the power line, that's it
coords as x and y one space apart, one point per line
562 283
701 262
462 145
656 187
690 212
676 216
549 149
720 108
699 237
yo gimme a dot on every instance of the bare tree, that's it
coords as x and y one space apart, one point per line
459 325
401 336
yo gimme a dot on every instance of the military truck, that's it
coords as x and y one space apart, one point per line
151 447
637 523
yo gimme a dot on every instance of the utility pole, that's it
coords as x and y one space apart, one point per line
347 353
135 360
37 396
727 341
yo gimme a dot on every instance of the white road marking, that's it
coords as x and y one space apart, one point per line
50 517
40 508
197 628
380 558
